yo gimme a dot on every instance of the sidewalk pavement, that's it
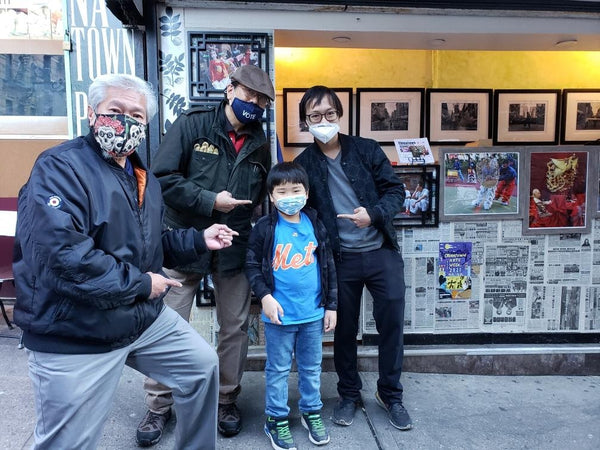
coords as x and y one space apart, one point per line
448 411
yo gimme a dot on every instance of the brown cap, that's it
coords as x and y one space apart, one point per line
256 79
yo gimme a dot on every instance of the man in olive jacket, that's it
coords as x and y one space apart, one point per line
212 166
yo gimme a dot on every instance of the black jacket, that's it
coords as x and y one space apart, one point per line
259 258
372 178
196 160
87 233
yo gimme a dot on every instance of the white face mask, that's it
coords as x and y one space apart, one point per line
324 132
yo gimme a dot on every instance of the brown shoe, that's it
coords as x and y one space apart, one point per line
151 428
230 420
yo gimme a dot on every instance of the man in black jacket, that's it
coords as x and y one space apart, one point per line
90 245
356 195
212 166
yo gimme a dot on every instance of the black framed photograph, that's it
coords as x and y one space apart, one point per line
456 117
580 116
385 114
480 183
214 56
295 133
556 180
421 203
526 116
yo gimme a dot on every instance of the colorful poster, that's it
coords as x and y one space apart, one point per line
455 270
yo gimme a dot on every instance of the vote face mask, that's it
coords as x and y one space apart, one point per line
324 132
118 134
291 205
246 112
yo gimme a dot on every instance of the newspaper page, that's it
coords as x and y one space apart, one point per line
204 321
477 233
424 293
505 279
592 309
424 241
569 259
570 308
596 252
511 234
543 308
413 151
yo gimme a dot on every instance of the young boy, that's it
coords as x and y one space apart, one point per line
291 270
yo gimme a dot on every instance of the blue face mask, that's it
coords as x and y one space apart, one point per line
246 112
291 205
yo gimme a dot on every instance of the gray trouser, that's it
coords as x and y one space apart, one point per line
73 393
232 297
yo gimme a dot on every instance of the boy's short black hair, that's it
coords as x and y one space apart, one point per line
286 172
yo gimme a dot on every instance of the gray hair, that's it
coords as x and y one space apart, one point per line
97 90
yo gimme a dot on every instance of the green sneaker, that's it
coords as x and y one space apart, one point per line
317 433
279 432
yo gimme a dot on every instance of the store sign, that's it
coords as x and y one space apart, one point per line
100 45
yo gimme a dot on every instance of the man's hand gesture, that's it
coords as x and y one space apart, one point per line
218 236
225 202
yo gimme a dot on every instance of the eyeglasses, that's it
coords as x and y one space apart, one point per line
330 116
262 100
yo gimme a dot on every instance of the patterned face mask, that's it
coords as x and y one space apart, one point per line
291 205
118 134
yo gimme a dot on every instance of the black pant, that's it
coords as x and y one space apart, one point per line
382 272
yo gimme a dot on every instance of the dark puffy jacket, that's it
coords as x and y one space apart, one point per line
196 160
259 259
372 178
87 233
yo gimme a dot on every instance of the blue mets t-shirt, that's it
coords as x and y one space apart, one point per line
296 272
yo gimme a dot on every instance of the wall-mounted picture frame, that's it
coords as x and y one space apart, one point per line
214 56
456 117
385 114
421 204
295 133
559 187
480 183
526 116
580 116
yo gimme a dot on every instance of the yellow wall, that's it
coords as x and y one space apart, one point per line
305 67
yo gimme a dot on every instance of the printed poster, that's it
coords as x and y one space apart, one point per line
455 270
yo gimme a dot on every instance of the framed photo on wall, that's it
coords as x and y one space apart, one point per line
458 116
580 116
385 114
214 56
559 186
421 204
481 183
526 116
295 133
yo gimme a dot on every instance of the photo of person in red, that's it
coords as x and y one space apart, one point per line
558 201
506 182
218 71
